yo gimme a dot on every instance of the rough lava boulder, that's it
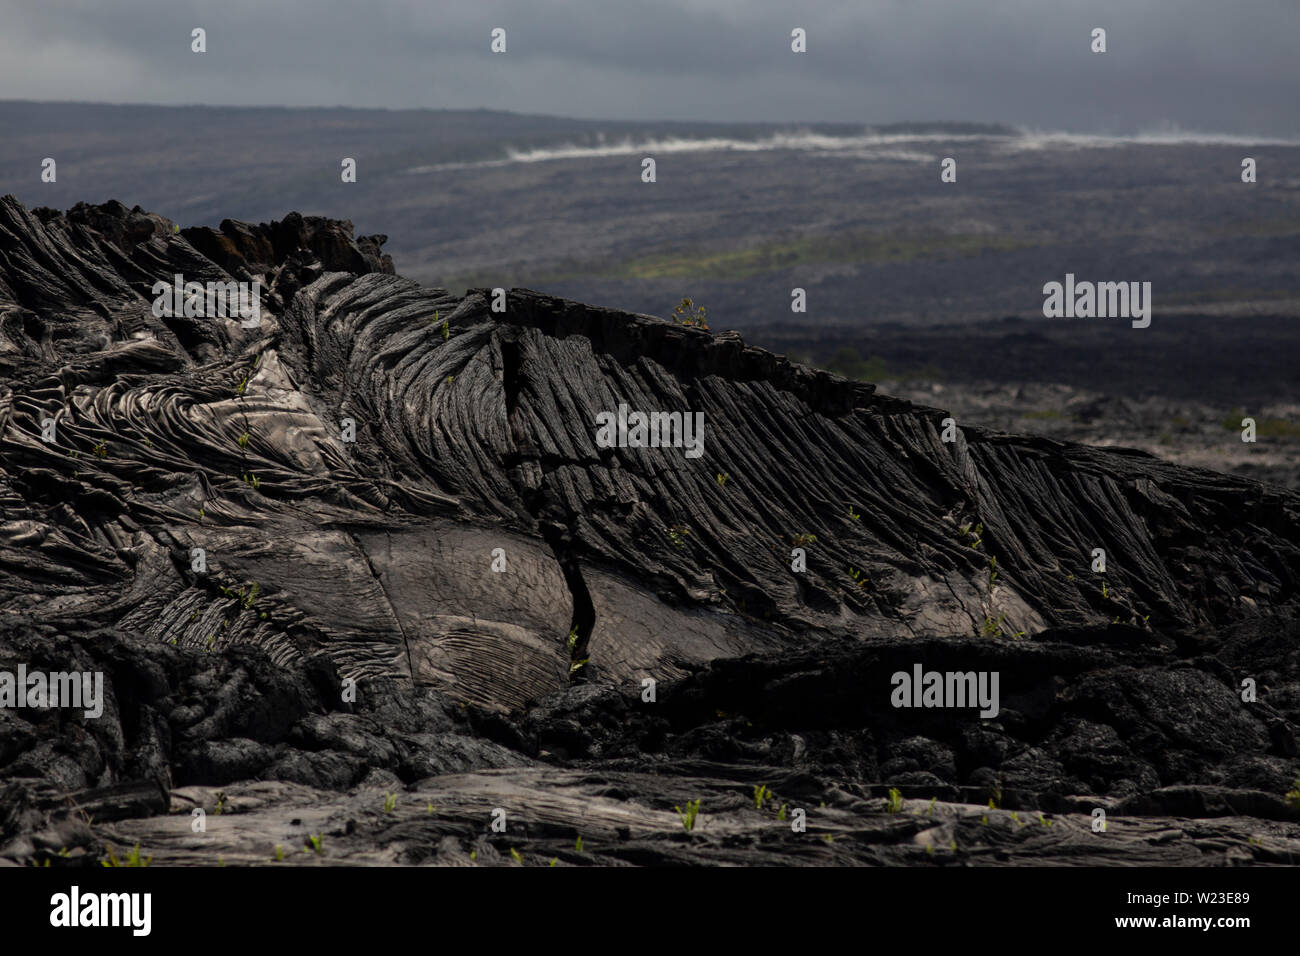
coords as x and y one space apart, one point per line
371 545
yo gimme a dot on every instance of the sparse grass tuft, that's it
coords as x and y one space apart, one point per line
689 814
132 859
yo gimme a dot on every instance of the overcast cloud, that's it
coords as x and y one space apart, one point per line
1206 65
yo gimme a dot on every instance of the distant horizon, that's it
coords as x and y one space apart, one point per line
1152 132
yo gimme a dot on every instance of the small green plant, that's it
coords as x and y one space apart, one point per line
853 514
930 812
780 814
133 859
1016 817
828 838
243 439
314 845
577 844
802 540
683 315
1044 821
554 861
992 628
279 853
1105 591
514 855
221 804
252 480
894 802
578 665
689 814
249 599
993 571
761 796
975 534
1293 795
101 450
573 638
721 478
677 535
390 802
858 577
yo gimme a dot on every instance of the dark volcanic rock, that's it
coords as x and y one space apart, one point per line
476 605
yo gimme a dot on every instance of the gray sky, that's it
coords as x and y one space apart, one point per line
1205 65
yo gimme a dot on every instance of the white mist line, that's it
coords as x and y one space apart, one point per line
1033 139
866 145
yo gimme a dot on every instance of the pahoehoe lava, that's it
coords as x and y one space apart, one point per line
369 563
